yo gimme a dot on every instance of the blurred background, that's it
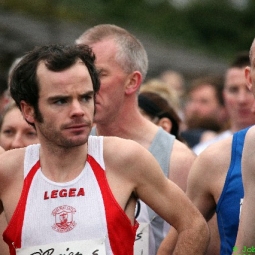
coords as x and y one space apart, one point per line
194 37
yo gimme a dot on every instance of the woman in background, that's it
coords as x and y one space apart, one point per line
159 111
15 133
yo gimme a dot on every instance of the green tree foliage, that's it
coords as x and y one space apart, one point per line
213 26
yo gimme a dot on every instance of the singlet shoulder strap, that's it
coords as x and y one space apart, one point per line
161 148
95 149
31 157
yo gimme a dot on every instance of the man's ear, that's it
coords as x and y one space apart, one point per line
247 73
27 111
166 124
133 83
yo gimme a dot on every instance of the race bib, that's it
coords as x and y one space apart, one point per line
241 204
141 246
84 247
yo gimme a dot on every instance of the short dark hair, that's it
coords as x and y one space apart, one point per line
241 60
3 84
155 105
24 82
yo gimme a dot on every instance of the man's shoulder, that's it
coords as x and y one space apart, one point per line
212 166
181 148
250 133
11 161
219 148
203 145
120 145
216 157
11 156
120 153
16 151
249 142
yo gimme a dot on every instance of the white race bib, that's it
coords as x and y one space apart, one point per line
141 246
241 204
84 247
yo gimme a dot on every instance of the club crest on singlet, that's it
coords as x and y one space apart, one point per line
64 221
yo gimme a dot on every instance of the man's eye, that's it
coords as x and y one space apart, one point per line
87 98
232 90
7 132
31 134
60 101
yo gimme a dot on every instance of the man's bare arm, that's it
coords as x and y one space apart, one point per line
204 172
246 230
172 204
134 171
199 194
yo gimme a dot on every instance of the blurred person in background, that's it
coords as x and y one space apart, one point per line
174 80
4 98
219 196
159 111
15 132
226 182
204 113
238 100
215 187
161 88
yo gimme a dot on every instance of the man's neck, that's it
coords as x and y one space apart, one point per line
139 129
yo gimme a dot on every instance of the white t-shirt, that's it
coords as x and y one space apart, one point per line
197 149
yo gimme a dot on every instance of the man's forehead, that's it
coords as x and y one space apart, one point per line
41 66
77 73
235 77
99 47
235 71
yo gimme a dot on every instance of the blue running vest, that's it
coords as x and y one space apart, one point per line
228 207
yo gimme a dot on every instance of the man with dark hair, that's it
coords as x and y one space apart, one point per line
204 109
241 59
154 107
238 100
76 193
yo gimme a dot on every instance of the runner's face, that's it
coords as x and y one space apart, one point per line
238 98
109 99
66 104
